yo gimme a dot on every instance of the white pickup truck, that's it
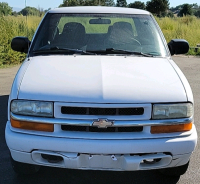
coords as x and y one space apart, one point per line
100 91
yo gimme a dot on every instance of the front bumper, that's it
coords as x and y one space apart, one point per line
101 154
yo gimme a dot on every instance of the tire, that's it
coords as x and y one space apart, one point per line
175 171
23 168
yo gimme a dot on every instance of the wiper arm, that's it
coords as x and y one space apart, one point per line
121 51
72 50
62 49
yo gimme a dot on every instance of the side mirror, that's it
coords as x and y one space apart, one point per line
20 44
178 46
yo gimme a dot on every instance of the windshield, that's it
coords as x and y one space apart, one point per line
98 34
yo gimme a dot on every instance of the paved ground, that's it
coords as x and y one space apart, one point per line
190 67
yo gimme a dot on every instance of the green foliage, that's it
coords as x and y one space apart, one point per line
157 7
197 13
186 27
121 3
195 6
194 52
11 27
30 11
186 10
69 3
109 3
5 9
170 14
138 5
87 3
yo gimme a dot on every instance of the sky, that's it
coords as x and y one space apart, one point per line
45 4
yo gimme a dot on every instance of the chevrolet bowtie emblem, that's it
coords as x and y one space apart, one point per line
102 123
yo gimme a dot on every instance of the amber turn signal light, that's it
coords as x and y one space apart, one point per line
171 128
32 126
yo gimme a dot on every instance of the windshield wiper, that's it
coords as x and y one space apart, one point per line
121 51
58 49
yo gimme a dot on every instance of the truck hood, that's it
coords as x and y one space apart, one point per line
101 79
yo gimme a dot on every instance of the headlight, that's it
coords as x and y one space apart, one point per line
172 111
32 108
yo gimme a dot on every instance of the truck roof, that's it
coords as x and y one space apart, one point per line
99 9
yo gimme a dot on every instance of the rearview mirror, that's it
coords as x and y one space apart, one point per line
20 44
178 46
100 21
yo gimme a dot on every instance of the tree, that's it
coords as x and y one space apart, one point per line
170 14
121 3
157 7
109 3
138 5
41 11
69 3
197 13
47 10
87 3
186 10
5 9
30 11
195 6
14 13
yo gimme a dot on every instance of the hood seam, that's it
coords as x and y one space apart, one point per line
27 60
179 78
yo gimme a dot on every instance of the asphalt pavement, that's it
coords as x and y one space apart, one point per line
190 67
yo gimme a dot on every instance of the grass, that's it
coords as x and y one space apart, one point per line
11 27
182 28
185 28
8 65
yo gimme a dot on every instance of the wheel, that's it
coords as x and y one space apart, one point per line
175 171
23 168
